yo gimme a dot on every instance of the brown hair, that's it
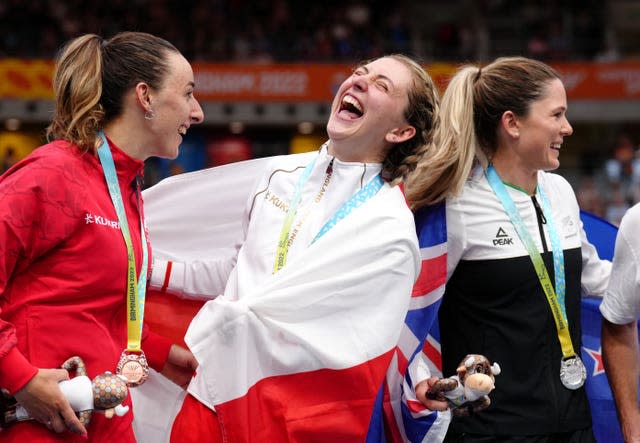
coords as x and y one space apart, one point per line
92 76
422 114
471 109
507 84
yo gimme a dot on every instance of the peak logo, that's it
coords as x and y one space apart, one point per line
502 238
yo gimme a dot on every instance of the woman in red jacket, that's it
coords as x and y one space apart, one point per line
73 252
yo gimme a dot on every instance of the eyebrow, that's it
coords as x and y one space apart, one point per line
382 76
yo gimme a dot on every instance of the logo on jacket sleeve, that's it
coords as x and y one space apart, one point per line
570 227
502 238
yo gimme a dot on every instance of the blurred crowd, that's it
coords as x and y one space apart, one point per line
296 31
290 31
611 189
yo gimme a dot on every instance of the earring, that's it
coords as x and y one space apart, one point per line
150 115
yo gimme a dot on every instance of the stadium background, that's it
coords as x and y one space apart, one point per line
266 70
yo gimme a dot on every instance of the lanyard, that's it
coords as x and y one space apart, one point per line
283 242
355 201
556 297
135 297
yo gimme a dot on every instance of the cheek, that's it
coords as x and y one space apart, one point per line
389 114
336 100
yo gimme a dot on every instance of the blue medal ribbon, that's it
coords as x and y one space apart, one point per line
555 297
135 296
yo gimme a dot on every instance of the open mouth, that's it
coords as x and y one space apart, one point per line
182 130
556 146
351 106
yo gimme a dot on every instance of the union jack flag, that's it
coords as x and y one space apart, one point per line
398 416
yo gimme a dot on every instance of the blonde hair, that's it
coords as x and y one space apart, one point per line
471 108
442 169
92 76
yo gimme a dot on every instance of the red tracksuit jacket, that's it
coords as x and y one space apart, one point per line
63 266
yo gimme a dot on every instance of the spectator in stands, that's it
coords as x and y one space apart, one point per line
589 196
286 31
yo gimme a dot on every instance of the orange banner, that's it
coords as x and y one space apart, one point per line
26 79
619 81
31 79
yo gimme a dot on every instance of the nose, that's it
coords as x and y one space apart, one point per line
360 82
567 129
197 115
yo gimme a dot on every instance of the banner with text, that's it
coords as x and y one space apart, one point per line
31 79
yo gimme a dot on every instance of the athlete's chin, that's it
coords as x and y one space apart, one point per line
170 153
552 165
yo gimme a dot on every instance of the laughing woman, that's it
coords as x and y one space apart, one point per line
296 346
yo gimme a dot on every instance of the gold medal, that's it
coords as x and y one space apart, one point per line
133 367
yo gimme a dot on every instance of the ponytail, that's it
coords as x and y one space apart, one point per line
77 85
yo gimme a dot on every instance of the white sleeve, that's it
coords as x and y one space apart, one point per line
621 304
595 271
197 223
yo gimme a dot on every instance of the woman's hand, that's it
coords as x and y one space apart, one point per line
180 366
45 402
440 404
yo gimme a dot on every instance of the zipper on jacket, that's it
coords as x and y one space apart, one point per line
541 221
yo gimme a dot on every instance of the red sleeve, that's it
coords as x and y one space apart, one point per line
15 370
27 193
156 348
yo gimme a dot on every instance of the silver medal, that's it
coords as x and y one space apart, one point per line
573 374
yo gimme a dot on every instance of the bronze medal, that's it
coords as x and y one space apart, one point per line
133 367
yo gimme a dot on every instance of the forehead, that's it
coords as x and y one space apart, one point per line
391 68
553 94
180 73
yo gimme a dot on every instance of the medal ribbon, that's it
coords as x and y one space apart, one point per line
355 201
556 297
283 242
135 296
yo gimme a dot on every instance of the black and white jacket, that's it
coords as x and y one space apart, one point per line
494 305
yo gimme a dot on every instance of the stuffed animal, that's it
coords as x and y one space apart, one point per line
467 391
105 393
